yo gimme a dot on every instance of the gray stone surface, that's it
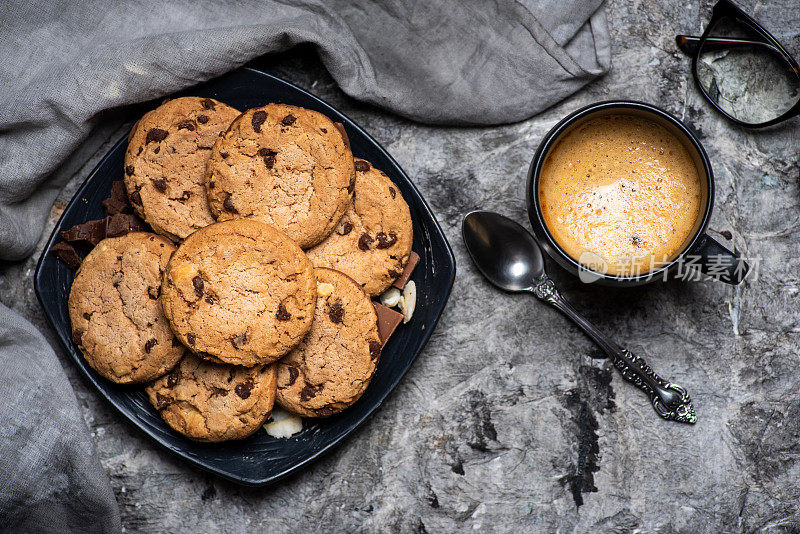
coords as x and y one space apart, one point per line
509 420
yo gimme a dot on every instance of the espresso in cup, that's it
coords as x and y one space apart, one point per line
620 194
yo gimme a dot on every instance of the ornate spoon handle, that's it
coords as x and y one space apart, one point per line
670 401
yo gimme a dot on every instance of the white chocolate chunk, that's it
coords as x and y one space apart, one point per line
283 424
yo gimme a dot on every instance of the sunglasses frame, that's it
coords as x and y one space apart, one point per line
726 8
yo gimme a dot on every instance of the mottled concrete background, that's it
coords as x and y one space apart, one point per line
509 422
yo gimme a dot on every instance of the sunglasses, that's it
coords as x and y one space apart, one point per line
742 70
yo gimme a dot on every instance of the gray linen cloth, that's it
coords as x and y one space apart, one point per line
63 62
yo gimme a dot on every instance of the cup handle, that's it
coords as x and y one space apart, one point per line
720 263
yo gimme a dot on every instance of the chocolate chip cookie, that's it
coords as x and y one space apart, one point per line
214 402
166 162
372 241
239 292
332 366
115 311
284 165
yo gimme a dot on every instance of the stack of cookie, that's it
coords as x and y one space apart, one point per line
269 242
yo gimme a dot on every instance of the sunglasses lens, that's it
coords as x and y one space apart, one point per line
746 77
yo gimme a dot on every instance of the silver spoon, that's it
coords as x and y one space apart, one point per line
510 258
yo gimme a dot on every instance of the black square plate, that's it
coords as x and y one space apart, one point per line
261 459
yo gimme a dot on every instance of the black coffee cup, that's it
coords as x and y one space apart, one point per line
700 251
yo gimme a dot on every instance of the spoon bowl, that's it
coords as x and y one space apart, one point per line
503 251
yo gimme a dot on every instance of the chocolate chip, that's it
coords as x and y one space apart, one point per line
386 242
156 134
323 130
173 377
244 389
67 253
129 170
157 150
364 241
392 192
288 120
87 315
343 133
136 198
202 119
258 119
162 401
207 103
308 392
148 346
239 340
160 184
345 229
283 314
185 196
726 234
210 299
186 125
228 204
324 412
76 336
362 165
268 155
636 241
224 154
197 282
140 151
154 292
336 312
190 338
374 349
293 374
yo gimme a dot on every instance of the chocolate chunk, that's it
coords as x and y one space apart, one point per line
207 103
89 233
156 134
77 336
186 125
117 200
173 377
190 338
87 315
123 223
388 319
343 132
136 198
162 401
726 234
364 241
160 184
202 119
362 165
323 130
210 299
283 314
140 151
67 253
383 241
129 170
113 206
268 155
324 412
288 120
258 119
375 350
239 340
244 389
228 204
148 346
157 150
336 312
392 192
197 282
402 280
636 241
293 374
154 292
224 154
308 392
345 229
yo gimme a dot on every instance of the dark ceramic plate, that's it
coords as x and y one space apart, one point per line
261 459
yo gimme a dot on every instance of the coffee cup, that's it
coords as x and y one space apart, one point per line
693 248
